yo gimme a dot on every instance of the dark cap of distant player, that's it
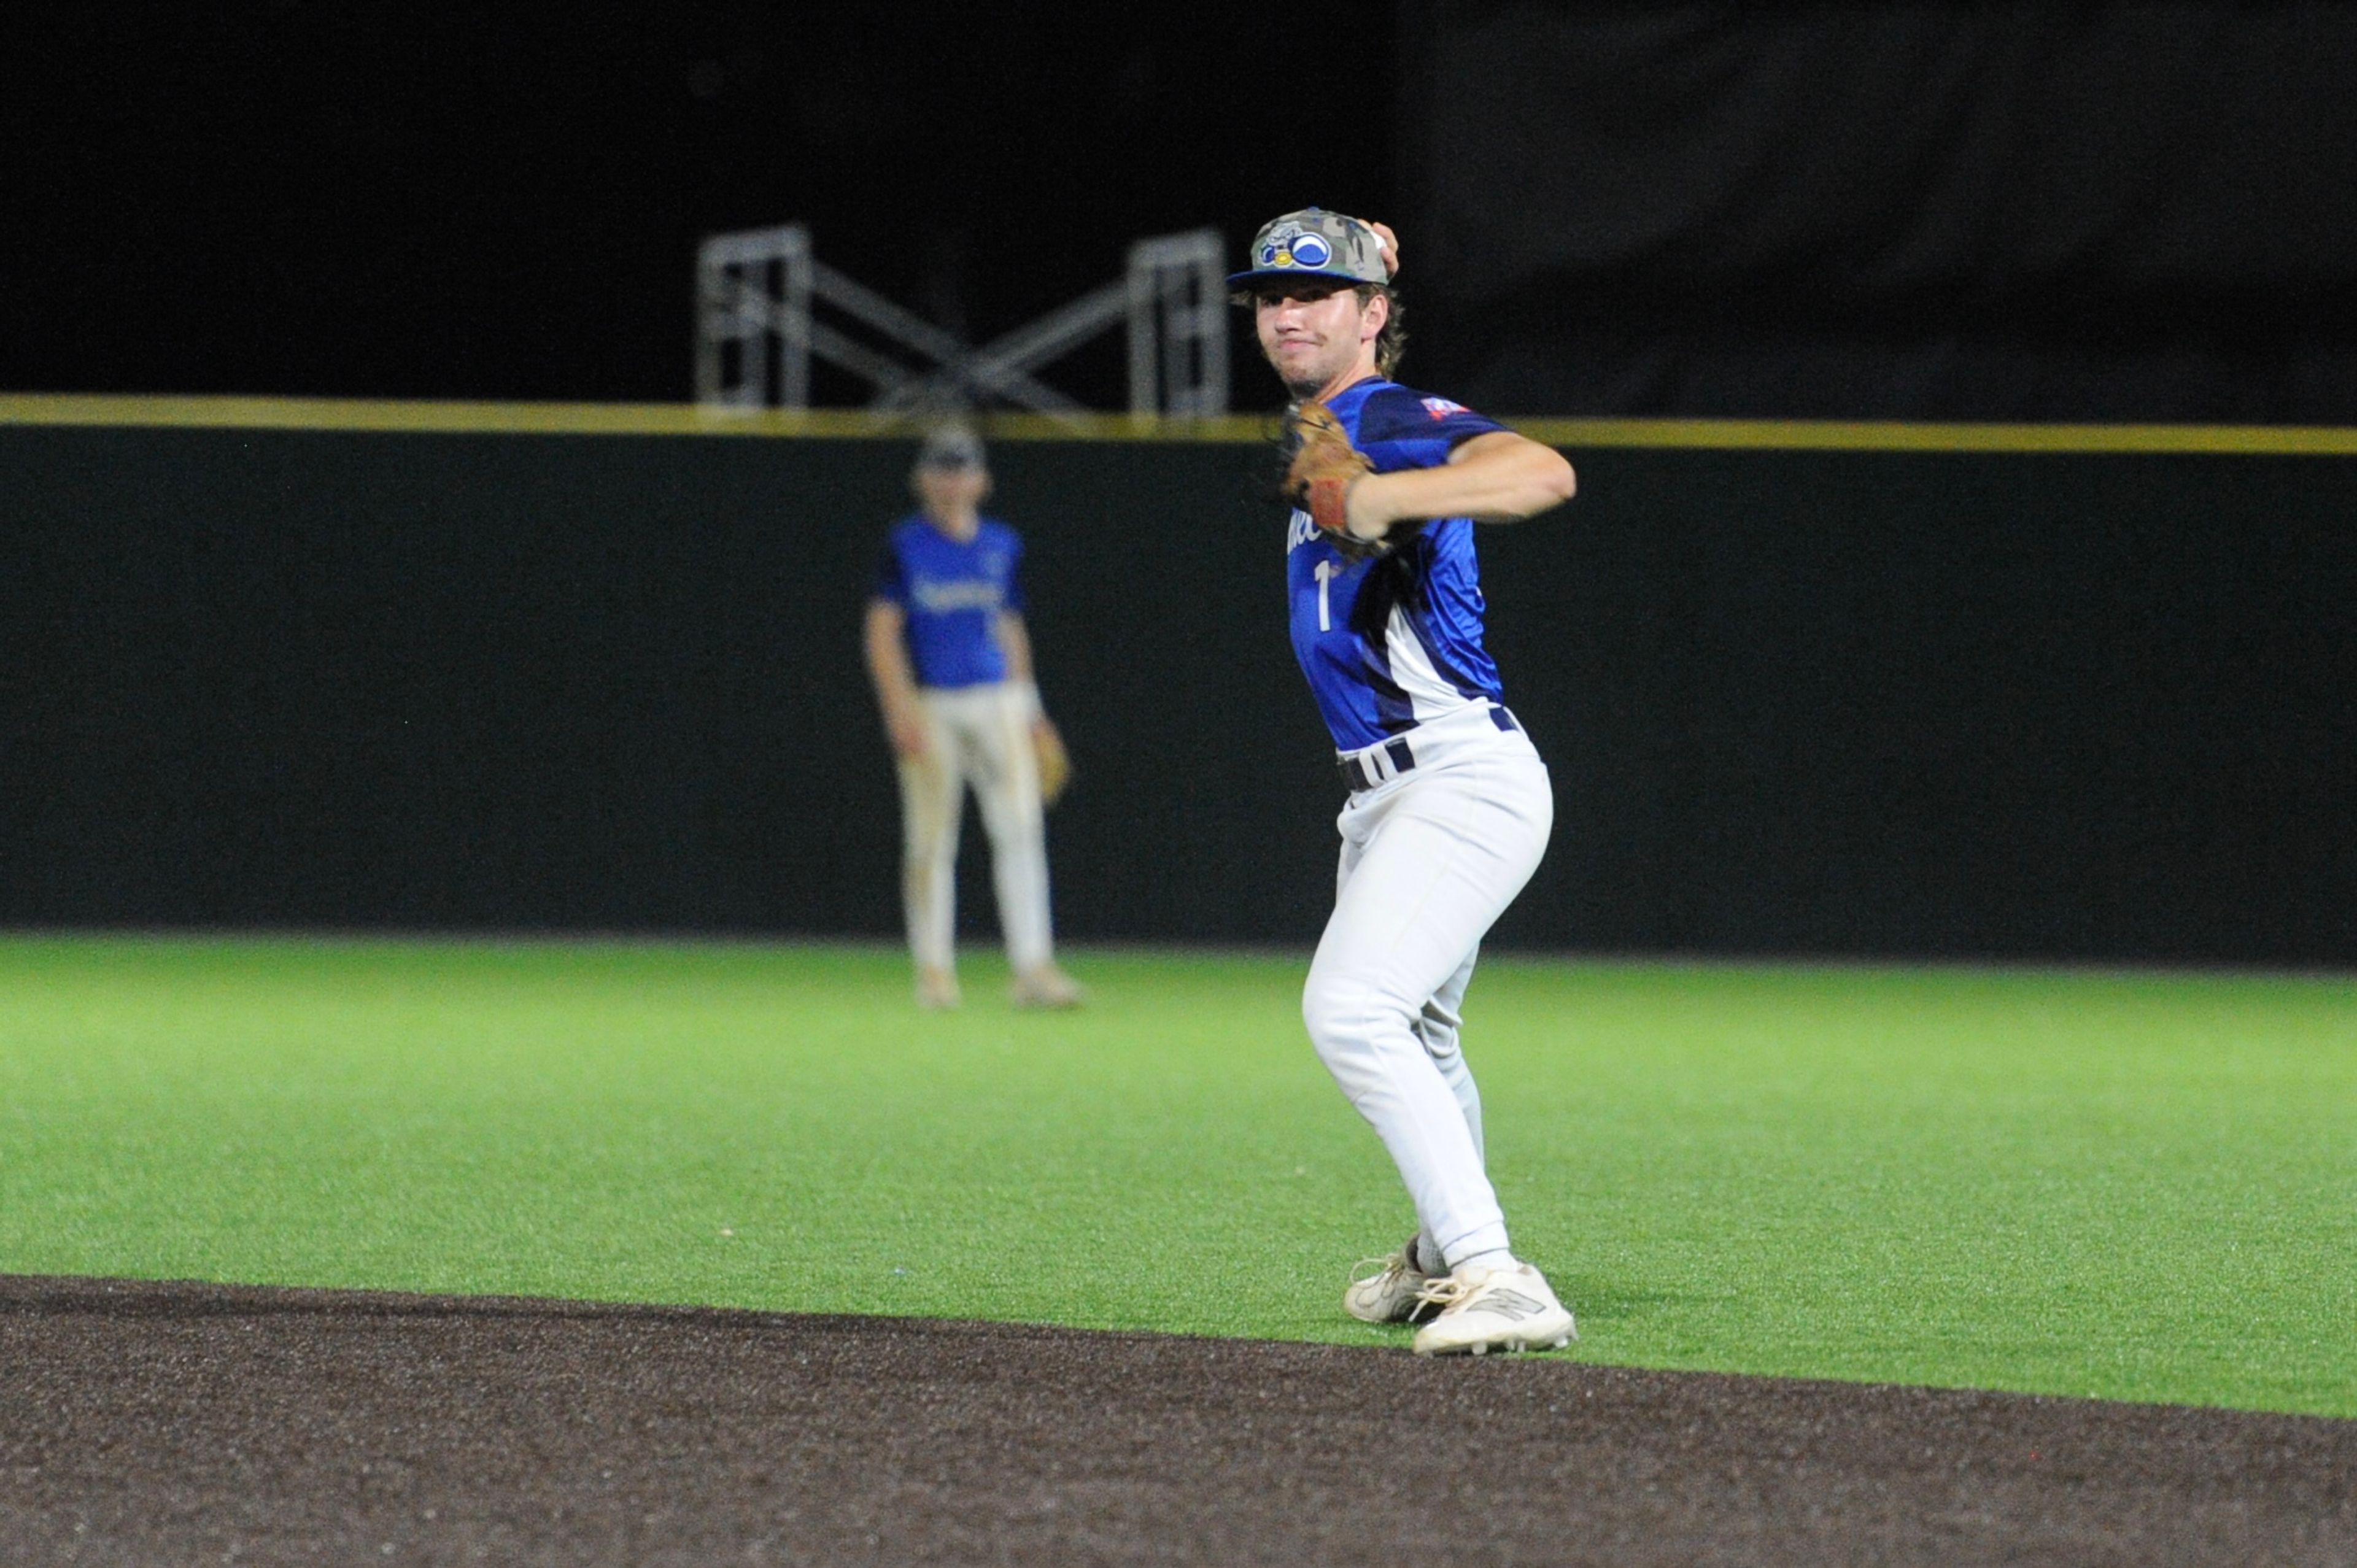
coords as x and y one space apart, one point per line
950 447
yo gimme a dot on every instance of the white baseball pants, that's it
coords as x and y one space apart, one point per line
979 736
1431 857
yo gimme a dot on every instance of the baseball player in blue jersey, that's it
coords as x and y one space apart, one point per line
1449 806
952 662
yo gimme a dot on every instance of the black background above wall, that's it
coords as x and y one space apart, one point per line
1999 211
2120 210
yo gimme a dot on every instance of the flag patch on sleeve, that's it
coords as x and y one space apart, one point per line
1441 408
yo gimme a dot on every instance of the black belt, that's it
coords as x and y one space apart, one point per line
1354 768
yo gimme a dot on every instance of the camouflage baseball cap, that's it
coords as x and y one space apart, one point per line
1314 243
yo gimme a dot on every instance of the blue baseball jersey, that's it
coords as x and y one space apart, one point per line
1389 642
951 593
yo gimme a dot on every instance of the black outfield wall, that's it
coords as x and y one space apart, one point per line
1841 703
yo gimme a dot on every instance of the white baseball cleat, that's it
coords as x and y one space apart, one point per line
1483 1310
937 989
1046 986
1393 1294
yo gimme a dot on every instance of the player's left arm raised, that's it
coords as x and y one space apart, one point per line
1496 476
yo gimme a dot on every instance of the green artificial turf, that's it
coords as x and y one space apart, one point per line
2139 1186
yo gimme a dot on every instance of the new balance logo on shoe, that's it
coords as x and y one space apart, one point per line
1507 1304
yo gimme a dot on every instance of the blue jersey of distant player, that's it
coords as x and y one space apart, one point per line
951 593
1413 652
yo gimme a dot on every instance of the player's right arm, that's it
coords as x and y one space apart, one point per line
1499 477
895 683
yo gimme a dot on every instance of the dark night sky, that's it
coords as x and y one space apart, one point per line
370 199
2110 210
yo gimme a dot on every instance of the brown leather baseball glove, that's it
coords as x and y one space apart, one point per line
1325 466
1054 762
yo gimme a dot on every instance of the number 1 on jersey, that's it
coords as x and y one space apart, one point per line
1327 572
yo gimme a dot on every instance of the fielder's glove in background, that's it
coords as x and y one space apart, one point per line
1055 762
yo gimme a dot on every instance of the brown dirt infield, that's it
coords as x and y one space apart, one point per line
184 1424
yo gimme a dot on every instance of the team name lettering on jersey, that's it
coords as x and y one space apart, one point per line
942 598
1300 532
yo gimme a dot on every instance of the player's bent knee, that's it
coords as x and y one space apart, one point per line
1348 1018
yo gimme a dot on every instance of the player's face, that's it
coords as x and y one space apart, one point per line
1316 334
951 492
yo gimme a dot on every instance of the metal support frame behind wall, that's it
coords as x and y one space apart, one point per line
752 318
1179 327
757 327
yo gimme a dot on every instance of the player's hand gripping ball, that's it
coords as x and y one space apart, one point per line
1325 466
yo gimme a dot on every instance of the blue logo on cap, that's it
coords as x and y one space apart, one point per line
1311 251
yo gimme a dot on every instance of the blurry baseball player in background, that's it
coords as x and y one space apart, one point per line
1449 806
952 662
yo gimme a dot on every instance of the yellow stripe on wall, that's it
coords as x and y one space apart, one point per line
687 419
367 413
1891 435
